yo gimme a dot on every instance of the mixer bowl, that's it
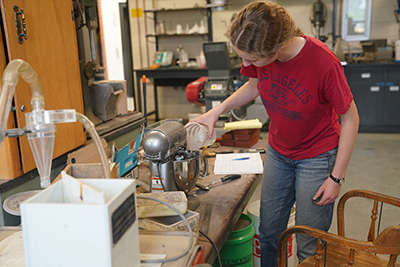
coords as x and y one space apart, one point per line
187 169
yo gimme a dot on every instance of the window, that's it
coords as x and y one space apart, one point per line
356 20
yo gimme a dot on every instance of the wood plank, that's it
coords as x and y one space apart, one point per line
51 49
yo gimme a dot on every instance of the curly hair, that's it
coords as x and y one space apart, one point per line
261 28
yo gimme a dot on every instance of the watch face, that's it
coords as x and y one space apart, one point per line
341 181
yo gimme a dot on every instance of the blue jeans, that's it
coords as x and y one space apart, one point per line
286 181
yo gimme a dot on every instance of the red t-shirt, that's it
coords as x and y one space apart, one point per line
303 97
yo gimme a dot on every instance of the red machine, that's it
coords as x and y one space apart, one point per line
194 89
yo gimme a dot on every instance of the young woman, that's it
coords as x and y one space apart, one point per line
303 88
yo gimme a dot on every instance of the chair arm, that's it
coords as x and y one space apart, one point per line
330 238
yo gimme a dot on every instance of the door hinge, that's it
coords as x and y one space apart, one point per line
20 19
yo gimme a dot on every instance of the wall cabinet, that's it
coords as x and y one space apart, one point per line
51 50
376 90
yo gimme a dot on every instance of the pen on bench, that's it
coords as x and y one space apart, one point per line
245 158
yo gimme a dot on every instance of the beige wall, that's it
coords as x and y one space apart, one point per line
172 101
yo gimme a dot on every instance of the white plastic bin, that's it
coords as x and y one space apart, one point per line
64 226
253 210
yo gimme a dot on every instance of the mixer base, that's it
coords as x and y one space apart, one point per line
193 202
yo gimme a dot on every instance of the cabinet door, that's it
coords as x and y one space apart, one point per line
10 163
51 50
392 96
366 84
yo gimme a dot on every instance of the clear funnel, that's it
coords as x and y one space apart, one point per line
41 139
40 131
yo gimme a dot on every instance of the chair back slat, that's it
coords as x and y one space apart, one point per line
371 233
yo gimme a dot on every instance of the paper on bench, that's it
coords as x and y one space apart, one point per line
225 163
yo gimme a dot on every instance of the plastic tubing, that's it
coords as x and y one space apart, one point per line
89 126
10 79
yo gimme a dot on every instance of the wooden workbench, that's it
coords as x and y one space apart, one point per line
220 208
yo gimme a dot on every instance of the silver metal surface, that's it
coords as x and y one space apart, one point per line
166 172
162 142
187 170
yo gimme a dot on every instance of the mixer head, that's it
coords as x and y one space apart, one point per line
163 141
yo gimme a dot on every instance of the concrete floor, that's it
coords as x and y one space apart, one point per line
374 166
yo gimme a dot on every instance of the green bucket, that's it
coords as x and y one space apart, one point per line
238 248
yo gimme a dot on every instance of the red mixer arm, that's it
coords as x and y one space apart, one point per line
193 89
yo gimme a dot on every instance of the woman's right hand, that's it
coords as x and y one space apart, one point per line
209 118
247 92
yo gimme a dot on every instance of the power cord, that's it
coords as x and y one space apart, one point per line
188 226
214 246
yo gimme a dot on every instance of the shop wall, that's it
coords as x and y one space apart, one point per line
172 101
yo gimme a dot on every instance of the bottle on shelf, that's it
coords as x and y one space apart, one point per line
202 28
183 57
178 29
160 27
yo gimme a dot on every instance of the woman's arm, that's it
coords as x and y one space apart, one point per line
348 133
243 95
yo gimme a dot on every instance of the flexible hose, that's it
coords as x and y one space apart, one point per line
9 80
89 126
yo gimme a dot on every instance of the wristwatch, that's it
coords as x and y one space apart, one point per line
336 180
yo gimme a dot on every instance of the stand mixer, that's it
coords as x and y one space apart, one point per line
172 167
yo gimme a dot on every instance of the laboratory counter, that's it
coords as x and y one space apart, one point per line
221 206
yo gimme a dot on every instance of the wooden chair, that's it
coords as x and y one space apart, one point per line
381 250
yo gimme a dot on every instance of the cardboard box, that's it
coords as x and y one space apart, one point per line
87 170
88 154
62 228
125 158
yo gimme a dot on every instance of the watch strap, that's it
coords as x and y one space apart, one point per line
336 180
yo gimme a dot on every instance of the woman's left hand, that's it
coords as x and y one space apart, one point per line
330 191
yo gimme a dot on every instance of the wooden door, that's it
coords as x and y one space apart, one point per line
10 162
51 50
